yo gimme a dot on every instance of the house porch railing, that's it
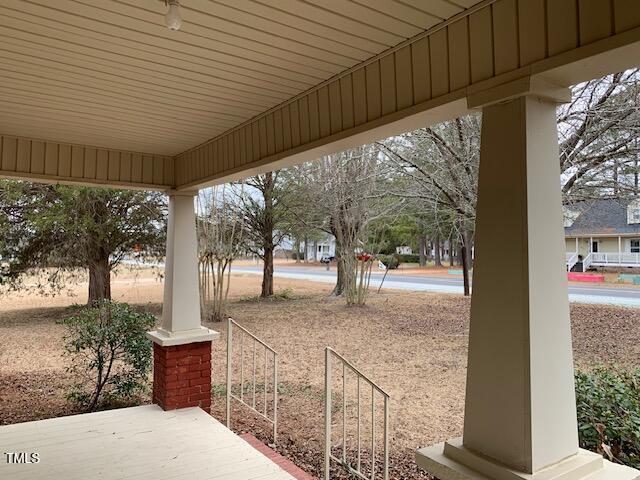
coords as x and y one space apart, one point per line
615 259
355 468
257 397
571 259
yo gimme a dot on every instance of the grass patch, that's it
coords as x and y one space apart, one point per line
279 296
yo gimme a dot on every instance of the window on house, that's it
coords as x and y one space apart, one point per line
635 246
635 215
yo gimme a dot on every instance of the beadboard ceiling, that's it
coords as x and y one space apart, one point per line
108 73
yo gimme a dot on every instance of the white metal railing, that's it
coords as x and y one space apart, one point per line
356 470
571 258
586 262
253 392
615 258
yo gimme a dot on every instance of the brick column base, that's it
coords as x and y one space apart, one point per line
182 376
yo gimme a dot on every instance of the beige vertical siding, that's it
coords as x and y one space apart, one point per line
502 38
60 162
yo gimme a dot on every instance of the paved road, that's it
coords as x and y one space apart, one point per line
584 294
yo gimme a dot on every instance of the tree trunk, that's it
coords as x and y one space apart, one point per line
297 245
306 249
422 245
464 245
267 236
340 276
99 280
267 274
437 258
451 259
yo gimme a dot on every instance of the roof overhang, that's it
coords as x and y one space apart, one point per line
103 93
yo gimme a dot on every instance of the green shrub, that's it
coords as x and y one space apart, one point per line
608 401
110 354
390 261
408 258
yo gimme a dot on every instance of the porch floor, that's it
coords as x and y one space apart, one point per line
134 443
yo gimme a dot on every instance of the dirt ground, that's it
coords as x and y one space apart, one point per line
411 344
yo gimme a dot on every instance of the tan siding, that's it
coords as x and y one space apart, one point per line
125 167
421 70
64 161
114 166
387 84
305 122
262 127
278 130
286 127
136 168
23 153
505 39
51 159
346 101
9 151
532 28
595 20
481 43
37 157
324 116
404 78
294 110
562 25
627 14
90 163
359 96
439 52
314 117
271 136
147 168
505 36
459 54
255 140
373 90
77 161
157 170
335 107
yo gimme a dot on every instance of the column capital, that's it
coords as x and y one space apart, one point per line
529 85
182 193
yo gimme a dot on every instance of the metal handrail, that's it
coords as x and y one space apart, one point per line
253 384
328 456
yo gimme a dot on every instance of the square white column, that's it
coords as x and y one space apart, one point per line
181 304
520 408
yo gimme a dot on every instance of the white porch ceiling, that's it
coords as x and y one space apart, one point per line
109 73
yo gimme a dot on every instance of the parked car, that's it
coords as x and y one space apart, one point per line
327 259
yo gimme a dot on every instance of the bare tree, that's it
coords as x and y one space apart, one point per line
219 244
598 134
439 166
343 194
259 207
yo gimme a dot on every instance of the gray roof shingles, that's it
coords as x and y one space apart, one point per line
601 217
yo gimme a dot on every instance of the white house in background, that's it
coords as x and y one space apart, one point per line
325 245
602 233
404 250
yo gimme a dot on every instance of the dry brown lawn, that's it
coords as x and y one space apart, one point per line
411 344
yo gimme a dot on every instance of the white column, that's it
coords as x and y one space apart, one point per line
181 305
620 250
577 246
520 409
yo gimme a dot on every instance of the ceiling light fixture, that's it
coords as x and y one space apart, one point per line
173 18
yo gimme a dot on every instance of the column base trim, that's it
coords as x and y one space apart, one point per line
445 462
165 338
